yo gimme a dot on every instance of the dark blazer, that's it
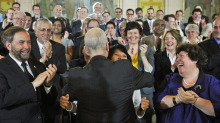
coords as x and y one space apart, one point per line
162 68
102 26
9 25
212 50
58 54
104 90
76 26
68 27
19 102
146 28
77 43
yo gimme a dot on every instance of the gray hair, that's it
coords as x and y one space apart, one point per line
192 27
95 40
206 29
42 20
97 3
19 12
159 20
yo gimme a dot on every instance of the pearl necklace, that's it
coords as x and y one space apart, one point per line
187 83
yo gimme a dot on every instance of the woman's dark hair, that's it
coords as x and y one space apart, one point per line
62 25
195 53
133 25
118 47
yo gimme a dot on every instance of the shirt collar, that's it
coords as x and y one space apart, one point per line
17 61
218 41
40 45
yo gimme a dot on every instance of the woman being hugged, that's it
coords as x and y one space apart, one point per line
191 95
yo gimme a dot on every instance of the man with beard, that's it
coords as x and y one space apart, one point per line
154 40
97 12
148 24
26 86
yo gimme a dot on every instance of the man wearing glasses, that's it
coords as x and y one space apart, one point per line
118 16
46 50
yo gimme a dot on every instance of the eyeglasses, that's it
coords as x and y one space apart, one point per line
45 30
19 19
130 14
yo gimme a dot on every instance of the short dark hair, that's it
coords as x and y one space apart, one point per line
8 34
159 10
179 11
195 53
166 17
92 20
27 14
85 8
118 47
62 25
150 8
129 10
196 10
35 5
133 25
16 3
105 12
110 22
138 9
118 8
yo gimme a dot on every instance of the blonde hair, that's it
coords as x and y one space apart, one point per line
84 25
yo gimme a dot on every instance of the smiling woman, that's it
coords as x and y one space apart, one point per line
190 95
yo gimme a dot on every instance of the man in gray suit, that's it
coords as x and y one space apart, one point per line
154 40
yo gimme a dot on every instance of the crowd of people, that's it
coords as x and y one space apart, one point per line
96 68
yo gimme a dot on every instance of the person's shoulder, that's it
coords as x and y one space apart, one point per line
207 42
211 79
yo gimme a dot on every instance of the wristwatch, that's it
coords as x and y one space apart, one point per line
174 100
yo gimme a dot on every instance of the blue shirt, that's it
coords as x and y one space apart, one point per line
206 87
218 41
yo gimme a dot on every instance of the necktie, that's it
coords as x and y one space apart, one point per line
118 21
42 51
178 23
28 75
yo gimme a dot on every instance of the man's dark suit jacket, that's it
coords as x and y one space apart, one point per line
19 102
77 43
104 90
9 25
212 50
76 26
58 54
146 28
68 28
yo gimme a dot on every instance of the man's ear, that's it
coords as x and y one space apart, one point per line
86 51
8 45
107 47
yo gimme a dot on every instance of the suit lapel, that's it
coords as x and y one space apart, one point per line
17 71
35 49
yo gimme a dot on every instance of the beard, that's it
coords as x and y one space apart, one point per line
18 54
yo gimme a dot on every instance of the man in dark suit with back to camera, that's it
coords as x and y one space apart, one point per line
104 88
26 86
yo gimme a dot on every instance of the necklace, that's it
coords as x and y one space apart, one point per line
187 83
